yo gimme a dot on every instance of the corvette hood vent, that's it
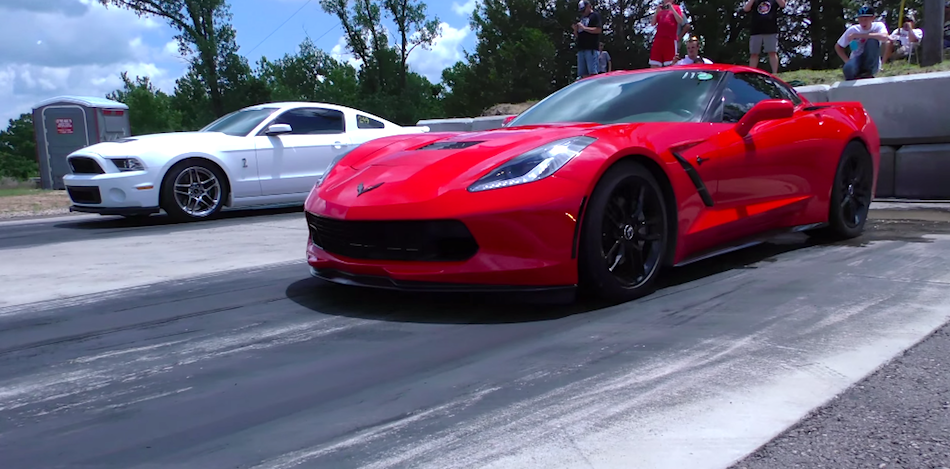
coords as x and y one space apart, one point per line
449 145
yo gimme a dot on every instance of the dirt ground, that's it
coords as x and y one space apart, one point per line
31 203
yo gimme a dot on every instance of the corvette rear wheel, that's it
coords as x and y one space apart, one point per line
850 195
193 190
625 234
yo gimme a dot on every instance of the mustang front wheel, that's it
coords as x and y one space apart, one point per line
193 189
625 234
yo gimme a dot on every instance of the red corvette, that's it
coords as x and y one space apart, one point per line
601 186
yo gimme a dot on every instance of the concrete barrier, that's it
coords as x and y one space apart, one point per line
907 109
815 93
911 114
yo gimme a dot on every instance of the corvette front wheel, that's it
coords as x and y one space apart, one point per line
625 234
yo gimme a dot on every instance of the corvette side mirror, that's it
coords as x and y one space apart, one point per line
278 129
769 109
508 120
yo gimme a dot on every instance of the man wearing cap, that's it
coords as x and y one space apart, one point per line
903 39
587 37
864 39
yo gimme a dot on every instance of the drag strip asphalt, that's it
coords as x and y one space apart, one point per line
18 234
269 368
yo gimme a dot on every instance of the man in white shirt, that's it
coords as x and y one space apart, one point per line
692 53
903 40
864 39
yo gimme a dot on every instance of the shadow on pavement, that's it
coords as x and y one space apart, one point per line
113 222
490 308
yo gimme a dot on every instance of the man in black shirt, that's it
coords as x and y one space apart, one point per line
587 37
764 30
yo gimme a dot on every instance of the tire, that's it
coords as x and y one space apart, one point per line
850 195
195 199
610 234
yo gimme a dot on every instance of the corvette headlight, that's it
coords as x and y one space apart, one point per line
330 167
534 165
128 164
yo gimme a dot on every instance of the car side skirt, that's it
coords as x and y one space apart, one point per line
747 243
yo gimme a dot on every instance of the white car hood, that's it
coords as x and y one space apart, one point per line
170 143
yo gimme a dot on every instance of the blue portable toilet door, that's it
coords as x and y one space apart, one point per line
65 127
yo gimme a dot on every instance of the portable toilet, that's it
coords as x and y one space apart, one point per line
65 124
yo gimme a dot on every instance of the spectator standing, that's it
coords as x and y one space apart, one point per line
668 18
902 41
764 30
587 37
692 53
864 39
603 60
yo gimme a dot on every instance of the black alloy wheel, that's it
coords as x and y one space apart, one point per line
625 234
851 194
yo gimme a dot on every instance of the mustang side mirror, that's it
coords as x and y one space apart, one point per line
278 129
769 109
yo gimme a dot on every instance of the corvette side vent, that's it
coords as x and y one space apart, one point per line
449 145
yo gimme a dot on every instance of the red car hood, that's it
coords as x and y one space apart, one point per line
462 148
416 168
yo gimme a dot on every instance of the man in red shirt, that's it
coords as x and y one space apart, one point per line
668 18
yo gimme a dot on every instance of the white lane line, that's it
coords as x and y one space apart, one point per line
70 269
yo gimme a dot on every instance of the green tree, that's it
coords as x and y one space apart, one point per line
309 75
205 34
150 110
18 149
387 87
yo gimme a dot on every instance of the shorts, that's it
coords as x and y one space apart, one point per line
770 41
587 63
663 51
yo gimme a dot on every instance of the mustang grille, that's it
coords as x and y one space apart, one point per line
84 165
411 240
84 195
449 145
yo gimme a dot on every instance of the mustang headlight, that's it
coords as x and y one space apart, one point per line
534 165
128 164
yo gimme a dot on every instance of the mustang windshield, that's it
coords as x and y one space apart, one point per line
662 96
239 123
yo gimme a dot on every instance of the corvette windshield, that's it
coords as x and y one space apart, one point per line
239 123
662 96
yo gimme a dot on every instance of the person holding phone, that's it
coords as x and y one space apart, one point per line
668 18
587 39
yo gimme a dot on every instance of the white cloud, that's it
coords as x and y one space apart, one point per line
76 47
340 53
444 52
464 9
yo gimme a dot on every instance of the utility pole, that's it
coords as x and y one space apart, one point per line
932 44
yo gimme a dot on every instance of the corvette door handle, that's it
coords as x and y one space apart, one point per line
700 159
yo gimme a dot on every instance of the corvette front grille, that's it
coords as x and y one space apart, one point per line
409 240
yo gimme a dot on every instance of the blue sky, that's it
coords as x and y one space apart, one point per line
77 47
